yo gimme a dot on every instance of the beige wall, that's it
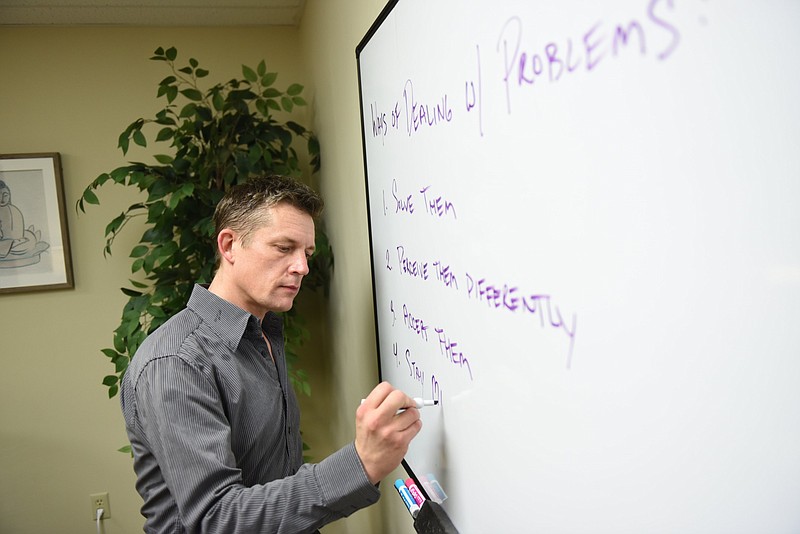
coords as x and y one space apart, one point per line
330 32
73 90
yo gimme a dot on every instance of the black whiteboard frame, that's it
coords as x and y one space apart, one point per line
360 48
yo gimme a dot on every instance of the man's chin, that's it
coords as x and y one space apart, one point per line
283 306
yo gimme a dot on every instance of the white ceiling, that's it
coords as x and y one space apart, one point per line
152 12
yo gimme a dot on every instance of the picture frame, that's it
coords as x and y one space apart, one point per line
34 239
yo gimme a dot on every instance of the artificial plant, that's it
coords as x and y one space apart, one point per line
218 137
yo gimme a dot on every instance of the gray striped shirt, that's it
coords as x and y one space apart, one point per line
213 424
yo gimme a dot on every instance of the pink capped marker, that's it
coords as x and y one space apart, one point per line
415 492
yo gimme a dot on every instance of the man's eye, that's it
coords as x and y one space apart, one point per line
283 248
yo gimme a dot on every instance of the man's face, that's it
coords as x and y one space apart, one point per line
268 271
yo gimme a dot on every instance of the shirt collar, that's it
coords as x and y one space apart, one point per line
227 320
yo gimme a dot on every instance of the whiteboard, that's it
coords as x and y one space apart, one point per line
584 224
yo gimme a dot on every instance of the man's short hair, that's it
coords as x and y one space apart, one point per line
242 209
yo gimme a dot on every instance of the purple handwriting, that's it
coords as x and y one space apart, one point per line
445 275
417 268
599 43
413 268
396 357
508 298
435 203
494 296
437 206
450 350
415 324
447 346
436 391
403 203
415 371
474 99
378 122
419 115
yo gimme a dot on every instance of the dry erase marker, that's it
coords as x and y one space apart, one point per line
421 403
418 403
415 492
405 494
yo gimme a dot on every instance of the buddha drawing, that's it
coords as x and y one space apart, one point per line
19 246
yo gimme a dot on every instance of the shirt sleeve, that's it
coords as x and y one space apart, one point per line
180 416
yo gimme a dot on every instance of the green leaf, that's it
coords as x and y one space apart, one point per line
296 128
294 89
313 145
119 341
155 311
121 364
192 94
287 104
164 119
110 353
130 292
218 101
90 197
163 159
123 141
204 114
171 53
139 250
188 110
299 101
115 224
139 139
154 211
249 74
164 134
186 189
255 154
149 263
269 78
110 380
201 73
119 175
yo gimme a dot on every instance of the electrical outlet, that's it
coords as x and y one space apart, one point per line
100 500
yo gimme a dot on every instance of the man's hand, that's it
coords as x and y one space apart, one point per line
382 434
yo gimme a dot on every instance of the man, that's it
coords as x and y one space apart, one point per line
209 411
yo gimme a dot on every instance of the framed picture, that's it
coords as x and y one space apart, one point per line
34 242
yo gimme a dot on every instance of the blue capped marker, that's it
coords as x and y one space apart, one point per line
405 494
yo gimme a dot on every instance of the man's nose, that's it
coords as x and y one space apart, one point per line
300 264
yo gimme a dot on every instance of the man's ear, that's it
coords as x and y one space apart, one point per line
225 241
